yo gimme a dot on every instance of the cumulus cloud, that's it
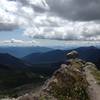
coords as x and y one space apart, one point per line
7 21
63 20
54 27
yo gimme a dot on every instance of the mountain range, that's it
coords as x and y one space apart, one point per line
12 62
22 51
44 62
91 54
16 71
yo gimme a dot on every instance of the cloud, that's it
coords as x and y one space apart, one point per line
57 28
7 20
85 10
63 20
13 41
19 42
7 26
37 5
19 13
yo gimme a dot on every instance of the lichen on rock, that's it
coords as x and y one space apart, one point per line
66 83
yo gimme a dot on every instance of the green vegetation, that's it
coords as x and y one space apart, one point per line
75 88
11 83
68 83
77 63
96 74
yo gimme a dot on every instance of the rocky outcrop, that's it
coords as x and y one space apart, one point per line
69 82
72 55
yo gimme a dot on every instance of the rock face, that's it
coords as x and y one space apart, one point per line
72 55
67 83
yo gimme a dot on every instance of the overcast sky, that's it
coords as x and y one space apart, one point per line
49 19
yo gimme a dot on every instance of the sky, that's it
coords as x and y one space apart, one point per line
36 21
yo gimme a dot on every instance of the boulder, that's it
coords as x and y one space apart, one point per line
72 55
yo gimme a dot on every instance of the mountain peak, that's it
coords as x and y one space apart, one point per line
66 83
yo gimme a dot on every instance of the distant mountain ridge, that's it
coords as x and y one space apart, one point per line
48 62
91 54
14 73
48 57
12 62
22 51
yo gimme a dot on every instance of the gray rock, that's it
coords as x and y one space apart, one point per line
72 55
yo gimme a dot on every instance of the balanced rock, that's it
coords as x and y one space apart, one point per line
72 54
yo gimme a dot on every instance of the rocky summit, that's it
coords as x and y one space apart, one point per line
69 82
